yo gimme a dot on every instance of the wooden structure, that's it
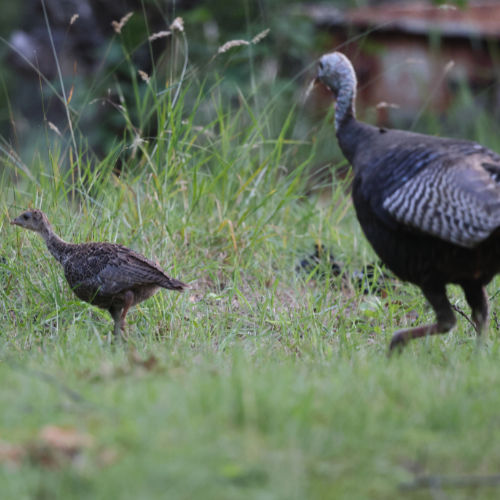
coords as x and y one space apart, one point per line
415 55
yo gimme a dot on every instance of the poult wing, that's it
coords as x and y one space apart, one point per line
112 269
128 270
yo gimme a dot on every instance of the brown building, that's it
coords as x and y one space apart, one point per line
414 56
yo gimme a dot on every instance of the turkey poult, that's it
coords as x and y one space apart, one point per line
429 206
106 275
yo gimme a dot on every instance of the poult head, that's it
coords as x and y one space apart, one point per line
335 71
34 219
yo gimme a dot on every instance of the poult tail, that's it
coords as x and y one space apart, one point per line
173 284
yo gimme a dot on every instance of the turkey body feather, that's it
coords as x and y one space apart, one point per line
438 198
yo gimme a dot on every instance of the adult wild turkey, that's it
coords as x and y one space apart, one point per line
106 275
429 206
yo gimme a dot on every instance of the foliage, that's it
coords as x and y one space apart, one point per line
258 382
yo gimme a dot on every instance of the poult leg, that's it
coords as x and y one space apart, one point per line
129 300
476 297
117 328
116 313
445 320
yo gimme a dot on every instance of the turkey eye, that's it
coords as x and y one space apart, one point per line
320 65
25 217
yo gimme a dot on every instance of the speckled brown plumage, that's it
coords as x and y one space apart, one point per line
429 206
107 275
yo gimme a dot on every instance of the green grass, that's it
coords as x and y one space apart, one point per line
255 383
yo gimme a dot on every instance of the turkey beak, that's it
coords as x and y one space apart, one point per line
315 82
321 78
15 222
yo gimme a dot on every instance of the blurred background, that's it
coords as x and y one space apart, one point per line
421 65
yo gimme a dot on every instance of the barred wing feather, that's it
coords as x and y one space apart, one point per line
457 200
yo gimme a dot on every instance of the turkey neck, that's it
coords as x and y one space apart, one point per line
344 108
355 139
57 246
350 133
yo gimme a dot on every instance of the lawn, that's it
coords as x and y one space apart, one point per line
259 381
